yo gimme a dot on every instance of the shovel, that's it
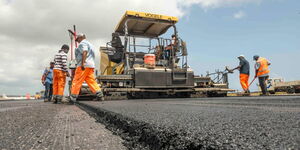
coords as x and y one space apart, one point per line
251 83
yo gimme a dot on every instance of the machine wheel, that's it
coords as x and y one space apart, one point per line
216 94
291 90
184 95
222 95
272 92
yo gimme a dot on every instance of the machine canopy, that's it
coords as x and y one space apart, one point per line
145 24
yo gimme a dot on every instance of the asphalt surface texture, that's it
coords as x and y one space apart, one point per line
32 124
271 122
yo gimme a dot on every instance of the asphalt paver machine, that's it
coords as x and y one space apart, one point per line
146 58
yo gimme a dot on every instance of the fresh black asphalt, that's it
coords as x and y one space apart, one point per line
204 123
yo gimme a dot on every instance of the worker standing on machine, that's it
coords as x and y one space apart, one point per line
172 46
262 72
85 58
244 69
60 72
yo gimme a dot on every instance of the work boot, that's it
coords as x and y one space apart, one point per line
72 98
100 96
55 100
59 99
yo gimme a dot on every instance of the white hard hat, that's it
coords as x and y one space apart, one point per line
79 35
241 56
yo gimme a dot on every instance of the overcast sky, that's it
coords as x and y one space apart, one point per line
32 31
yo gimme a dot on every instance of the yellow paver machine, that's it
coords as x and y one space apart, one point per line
139 62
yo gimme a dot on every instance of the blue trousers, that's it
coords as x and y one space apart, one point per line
262 84
48 91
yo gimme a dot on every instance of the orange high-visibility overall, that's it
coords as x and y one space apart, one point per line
264 67
244 81
59 81
86 75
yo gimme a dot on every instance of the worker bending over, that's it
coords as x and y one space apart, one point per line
262 72
60 72
244 69
85 58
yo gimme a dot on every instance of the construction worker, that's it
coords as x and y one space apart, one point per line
85 58
244 69
262 72
60 72
172 46
47 82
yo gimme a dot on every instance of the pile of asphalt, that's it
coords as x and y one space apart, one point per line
214 123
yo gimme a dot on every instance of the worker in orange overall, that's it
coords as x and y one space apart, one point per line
85 58
262 72
244 69
60 72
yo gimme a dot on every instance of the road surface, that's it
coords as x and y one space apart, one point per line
200 123
204 123
32 124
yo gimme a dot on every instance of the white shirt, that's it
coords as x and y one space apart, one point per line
84 45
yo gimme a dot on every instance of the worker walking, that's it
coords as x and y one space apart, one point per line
262 72
47 82
85 58
60 72
244 69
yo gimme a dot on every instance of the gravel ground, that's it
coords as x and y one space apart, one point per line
205 123
34 124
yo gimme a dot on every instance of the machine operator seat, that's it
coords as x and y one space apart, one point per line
116 43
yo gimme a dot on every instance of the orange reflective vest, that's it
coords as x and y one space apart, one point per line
264 67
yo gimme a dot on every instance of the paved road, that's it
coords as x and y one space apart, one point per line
32 124
206 123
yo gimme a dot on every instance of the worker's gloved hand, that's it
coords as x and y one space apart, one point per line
82 68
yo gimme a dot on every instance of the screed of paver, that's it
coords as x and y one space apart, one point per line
48 126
